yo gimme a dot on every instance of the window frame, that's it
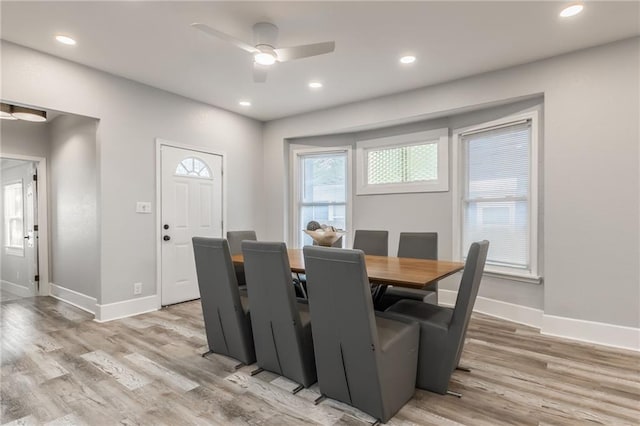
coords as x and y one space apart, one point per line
438 136
458 181
189 175
296 189
9 249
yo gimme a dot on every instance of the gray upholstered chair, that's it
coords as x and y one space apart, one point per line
235 239
374 243
281 326
442 330
226 312
415 245
363 358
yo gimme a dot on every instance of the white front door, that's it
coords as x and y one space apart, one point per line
191 191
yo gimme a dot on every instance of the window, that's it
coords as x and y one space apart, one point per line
415 162
193 167
497 193
321 190
14 218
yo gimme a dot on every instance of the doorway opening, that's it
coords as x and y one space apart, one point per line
20 228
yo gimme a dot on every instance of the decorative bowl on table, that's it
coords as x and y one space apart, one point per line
325 237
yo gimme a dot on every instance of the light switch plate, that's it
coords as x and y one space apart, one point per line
143 207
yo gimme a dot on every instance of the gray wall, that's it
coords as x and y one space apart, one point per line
591 162
74 244
432 211
131 117
24 138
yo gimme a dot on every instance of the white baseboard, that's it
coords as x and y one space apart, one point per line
72 297
127 308
17 289
496 308
616 336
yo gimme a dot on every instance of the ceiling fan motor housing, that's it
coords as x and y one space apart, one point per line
265 33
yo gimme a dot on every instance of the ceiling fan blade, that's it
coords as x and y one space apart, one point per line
260 72
297 52
226 37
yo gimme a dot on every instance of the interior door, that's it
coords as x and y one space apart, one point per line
191 191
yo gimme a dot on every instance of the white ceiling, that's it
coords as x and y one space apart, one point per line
152 42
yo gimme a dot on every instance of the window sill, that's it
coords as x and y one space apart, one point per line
512 276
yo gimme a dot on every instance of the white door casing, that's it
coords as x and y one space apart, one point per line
31 233
191 205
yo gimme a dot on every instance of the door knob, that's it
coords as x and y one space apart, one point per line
166 238
166 226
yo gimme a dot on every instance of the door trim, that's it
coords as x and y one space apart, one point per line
159 144
43 218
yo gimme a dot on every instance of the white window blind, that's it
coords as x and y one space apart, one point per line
497 193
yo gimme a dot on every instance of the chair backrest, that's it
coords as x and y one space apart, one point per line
372 242
277 330
345 336
227 326
468 291
418 245
235 239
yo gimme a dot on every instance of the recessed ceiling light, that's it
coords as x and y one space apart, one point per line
315 84
66 40
245 103
572 10
409 59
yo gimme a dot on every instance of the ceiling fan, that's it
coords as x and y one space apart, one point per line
265 53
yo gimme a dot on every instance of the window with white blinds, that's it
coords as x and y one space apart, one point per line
498 193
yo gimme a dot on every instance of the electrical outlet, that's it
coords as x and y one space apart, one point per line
137 288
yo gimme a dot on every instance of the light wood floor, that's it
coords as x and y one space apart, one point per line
59 368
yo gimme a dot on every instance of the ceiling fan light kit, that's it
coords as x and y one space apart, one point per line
264 50
266 55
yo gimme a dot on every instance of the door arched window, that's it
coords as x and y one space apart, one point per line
193 167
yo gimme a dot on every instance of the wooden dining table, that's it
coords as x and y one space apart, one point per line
387 270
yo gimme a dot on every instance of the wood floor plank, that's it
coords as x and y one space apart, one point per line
154 369
58 366
110 366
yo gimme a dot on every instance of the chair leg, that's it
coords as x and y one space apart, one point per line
456 394
298 284
257 371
